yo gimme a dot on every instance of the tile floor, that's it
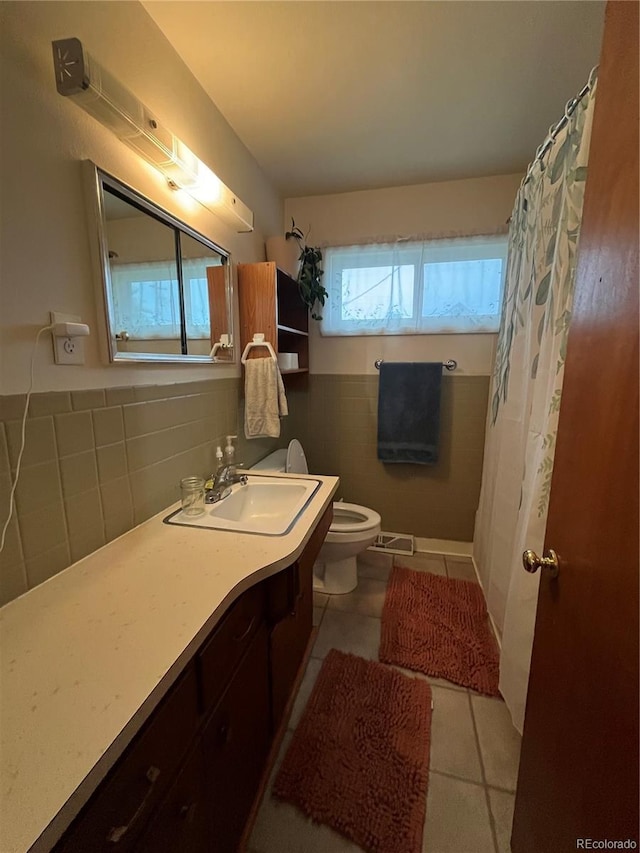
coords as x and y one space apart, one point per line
474 748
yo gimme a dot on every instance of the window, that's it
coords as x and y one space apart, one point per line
438 287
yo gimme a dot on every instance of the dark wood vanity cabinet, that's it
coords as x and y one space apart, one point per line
187 782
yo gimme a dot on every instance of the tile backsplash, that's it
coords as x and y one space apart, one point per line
98 462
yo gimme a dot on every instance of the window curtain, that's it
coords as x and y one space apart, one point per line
196 296
525 393
145 299
437 286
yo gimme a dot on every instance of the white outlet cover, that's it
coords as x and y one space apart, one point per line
67 350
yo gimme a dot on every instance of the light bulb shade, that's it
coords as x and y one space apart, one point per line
101 95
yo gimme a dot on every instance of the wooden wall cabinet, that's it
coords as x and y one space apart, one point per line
270 302
188 780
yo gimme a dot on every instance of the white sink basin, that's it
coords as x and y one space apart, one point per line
266 505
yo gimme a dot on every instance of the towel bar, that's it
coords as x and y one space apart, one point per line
449 365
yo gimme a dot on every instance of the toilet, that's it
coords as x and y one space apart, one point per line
352 530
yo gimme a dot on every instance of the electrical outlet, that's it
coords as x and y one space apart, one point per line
67 350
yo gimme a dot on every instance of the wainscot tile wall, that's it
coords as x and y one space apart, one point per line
436 502
98 462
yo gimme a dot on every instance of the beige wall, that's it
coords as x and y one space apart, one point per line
436 501
45 257
451 208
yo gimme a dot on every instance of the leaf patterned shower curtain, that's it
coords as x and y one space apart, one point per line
525 393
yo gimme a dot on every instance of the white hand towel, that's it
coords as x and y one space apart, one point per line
264 398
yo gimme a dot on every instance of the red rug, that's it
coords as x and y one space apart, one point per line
359 758
439 626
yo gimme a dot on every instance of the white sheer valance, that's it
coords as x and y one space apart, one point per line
417 287
146 302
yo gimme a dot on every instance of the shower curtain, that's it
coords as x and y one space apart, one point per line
525 393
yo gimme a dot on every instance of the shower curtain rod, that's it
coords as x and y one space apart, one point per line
568 112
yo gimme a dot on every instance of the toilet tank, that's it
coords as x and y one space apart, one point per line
290 460
275 462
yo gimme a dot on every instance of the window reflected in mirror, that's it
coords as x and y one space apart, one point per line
204 277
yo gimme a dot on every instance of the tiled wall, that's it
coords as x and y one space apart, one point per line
438 501
98 462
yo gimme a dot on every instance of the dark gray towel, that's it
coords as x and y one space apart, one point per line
409 412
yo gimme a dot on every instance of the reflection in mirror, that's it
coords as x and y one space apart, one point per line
204 277
166 287
145 297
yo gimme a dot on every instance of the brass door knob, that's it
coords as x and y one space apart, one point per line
549 561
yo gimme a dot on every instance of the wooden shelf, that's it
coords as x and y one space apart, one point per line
270 303
291 331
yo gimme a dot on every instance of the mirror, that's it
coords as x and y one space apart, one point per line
166 288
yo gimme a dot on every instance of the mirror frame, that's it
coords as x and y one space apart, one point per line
95 179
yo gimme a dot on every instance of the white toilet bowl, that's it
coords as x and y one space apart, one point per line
352 530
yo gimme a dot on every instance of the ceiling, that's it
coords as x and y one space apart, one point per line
338 95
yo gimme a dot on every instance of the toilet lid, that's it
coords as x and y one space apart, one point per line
296 460
350 518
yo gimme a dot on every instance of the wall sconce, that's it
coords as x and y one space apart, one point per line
80 77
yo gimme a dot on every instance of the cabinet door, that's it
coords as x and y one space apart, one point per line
220 655
258 307
289 638
288 642
236 743
181 823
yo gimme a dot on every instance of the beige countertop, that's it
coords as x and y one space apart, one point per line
86 656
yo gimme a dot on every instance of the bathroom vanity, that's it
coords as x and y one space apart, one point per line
146 725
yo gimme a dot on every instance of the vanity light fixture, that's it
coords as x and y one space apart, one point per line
80 77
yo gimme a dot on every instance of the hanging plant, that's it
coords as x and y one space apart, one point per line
312 291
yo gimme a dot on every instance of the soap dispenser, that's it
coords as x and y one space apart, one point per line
230 457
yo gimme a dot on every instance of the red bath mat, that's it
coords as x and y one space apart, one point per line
359 758
439 626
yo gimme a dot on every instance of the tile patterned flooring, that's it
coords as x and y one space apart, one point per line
474 748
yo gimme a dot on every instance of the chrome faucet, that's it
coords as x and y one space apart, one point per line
225 477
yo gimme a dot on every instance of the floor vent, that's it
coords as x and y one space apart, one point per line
393 543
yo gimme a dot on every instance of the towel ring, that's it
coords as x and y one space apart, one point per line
221 344
451 364
252 344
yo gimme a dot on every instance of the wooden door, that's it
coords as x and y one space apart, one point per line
579 766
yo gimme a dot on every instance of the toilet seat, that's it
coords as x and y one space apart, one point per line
351 518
